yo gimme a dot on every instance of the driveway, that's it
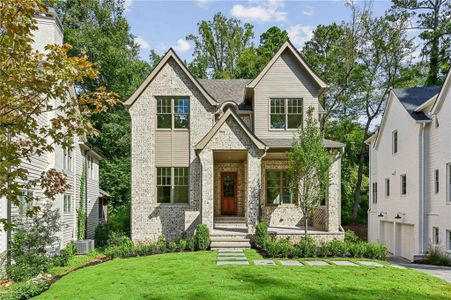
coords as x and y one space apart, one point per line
436 271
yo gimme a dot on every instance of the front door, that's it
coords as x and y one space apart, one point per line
228 193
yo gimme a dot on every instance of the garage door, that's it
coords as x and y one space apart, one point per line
406 238
387 235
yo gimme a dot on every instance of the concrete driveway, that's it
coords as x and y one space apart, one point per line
436 271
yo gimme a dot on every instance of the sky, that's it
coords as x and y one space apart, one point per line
160 25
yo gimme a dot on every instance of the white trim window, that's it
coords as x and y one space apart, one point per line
435 235
374 192
285 113
67 159
387 187
172 185
26 200
90 167
395 141
67 203
436 181
403 184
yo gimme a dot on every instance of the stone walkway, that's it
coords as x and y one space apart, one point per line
237 257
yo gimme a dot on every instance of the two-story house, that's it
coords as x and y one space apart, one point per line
410 172
215 151
81 163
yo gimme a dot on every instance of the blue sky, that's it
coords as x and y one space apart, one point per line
162 24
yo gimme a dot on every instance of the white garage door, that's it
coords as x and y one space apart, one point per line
406 238
387 235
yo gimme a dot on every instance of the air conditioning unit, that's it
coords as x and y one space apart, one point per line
84 246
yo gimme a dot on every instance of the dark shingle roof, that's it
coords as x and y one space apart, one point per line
412 98
287 143
223 90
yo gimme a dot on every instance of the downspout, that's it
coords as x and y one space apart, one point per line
370 204
8 218
74 168
422 190
260 204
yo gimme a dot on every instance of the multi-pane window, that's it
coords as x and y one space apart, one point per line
67 205
403 184
90 167
278 187
25 202
172 185
172 113
435 236
374 192
437 181
285 113
67 159
395 141
387 187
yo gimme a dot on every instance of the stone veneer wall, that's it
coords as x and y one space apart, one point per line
231 137
333 199
148 218
241 185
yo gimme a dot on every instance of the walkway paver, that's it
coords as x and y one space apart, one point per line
226 250
240 263
316 263
370 263
230 254
290 263
232 258
344 263
264 262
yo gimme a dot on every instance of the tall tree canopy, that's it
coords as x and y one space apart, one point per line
218 46
433 19
99 29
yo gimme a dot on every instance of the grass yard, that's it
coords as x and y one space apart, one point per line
195 275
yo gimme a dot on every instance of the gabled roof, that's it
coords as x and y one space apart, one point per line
229 113
412 98
288 46
225 90
441 96
169 55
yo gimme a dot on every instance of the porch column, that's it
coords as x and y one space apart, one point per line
206 159
253 189
333 201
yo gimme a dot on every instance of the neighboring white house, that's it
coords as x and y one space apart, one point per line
410 172
69 161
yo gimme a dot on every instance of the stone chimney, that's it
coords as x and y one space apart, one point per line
50 30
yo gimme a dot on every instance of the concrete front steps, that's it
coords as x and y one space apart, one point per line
230 233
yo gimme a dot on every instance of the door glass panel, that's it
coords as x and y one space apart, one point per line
228 183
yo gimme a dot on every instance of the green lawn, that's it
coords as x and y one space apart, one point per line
196 276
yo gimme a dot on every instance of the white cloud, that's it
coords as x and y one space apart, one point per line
308 11
201 3
128 5
182 45
260 11
299 34
142 43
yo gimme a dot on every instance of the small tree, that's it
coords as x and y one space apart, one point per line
81 214
308 167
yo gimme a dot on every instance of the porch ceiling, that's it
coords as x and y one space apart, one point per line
229 156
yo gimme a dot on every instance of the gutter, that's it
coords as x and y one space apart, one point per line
422 227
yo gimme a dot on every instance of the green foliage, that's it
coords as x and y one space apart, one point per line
182 245
62 258
161 243
279 248
261 235
306 248
308 167
81 214
337 248
202 237
27 290
376 251
30 241
172 246
357 249
435 256
351 237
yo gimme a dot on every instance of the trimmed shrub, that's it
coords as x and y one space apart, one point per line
261 236
202 237
279 248
351 237
435 256
62 259
357 249
376 251
161 243
172 246
306 248
182 245
144 249
190 245
337 248
119 240
27 290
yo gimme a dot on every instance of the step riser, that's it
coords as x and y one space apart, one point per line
229 239
230 226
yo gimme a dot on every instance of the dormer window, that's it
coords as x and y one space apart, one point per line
172 113
285 113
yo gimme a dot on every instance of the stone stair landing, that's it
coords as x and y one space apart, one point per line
230 232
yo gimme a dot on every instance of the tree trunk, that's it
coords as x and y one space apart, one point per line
305 227
358 187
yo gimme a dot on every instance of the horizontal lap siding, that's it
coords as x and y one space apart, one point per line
285 79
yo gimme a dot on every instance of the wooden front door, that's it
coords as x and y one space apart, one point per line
228 193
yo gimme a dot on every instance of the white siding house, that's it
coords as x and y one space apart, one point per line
410 157
70 162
